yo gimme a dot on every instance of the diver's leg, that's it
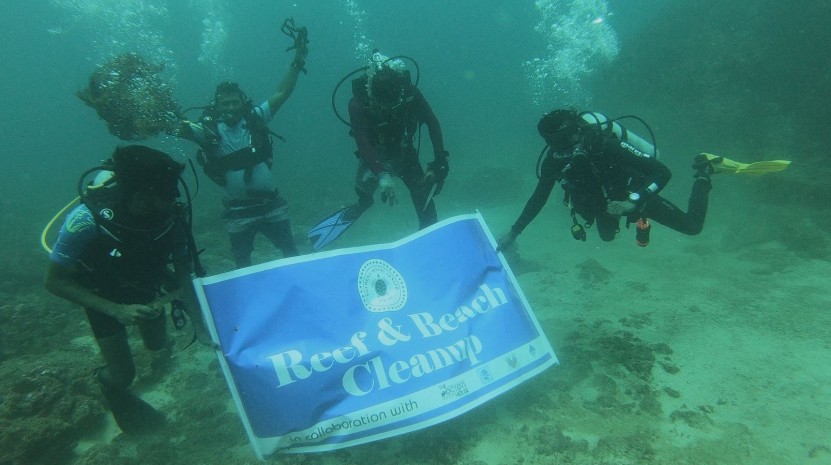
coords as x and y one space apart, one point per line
241 234
426 216
133 415
366 183
413 176
698 204
111 337
692 222
607 226
120 371
277 228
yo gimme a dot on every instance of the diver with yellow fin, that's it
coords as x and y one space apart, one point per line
609 173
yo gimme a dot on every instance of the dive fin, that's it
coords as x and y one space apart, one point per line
331 228
762 167
726 165
133 415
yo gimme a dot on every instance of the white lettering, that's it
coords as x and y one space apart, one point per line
467 348
495 296
350 381
464 313
633 149
287 365
283 362
424 324
399 372
448 322
487 300
421 366
318 361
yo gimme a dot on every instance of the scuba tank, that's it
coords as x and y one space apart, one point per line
604 124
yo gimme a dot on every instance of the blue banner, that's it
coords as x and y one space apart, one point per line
340 348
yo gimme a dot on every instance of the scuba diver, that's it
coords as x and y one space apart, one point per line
236 153
112 258
386 112
609 173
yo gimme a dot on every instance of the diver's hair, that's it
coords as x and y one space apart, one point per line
557 120
139 168
387 84
227 87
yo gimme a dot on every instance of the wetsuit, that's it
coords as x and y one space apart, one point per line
610 171
386 145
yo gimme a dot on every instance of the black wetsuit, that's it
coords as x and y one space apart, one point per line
609 171
386 144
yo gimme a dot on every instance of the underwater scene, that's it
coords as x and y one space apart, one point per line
700 335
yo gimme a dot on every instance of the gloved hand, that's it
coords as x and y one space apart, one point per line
506 241
437 170
387 188
620 207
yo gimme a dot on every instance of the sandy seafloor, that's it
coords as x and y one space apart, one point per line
712 349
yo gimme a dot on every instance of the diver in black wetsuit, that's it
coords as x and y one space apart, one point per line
606 178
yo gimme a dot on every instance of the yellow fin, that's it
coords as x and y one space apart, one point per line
726 165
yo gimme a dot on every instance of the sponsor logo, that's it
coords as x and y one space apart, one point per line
485 375
381 287
453 391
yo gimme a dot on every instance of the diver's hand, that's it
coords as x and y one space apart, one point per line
130 314
429 178
203 336
387 188
200 328
301 48
506 241
174 123
620 207
301 44
439 166
437 170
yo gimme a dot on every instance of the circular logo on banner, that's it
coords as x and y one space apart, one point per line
382 288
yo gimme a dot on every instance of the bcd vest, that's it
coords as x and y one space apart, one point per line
215 164
397 130
128 260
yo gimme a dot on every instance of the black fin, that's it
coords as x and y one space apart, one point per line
133 415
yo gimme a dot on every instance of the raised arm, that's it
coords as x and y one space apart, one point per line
286 86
